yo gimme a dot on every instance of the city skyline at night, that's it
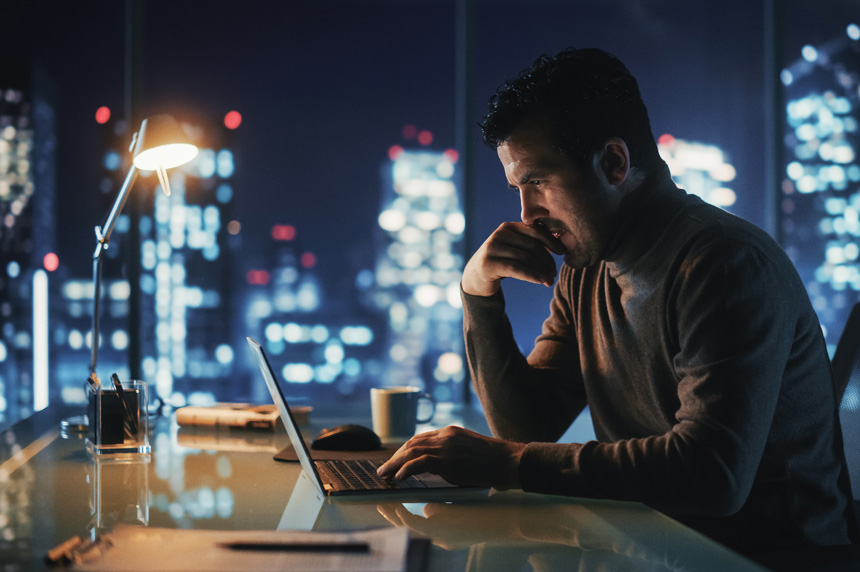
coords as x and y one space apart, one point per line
302 108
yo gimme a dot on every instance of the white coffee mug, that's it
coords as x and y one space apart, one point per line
395 411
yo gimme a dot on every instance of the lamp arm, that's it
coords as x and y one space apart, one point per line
97 294
103 233
102 242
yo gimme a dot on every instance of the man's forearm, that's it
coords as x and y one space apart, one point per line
519 402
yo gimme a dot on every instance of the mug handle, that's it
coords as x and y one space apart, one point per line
432 401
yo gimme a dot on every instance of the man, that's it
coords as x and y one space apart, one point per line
686 330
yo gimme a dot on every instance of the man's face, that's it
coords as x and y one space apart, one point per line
575 207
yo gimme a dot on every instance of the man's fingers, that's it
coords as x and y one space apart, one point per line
525 249
416 466
389 513
405 462
526 269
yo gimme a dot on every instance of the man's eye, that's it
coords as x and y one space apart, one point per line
535 182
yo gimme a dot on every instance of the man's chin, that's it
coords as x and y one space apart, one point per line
576 259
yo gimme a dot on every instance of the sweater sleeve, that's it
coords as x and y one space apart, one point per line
733 314
524 400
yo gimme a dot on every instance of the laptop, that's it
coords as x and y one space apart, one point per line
340 477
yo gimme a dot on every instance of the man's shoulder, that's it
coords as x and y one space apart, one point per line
701 226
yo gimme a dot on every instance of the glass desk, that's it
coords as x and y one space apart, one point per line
51 489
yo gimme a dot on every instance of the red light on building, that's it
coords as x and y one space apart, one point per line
665 139
394 152
452 155
409 132
102 114
309 259
258 277
283 232
51 262
232 120
425 137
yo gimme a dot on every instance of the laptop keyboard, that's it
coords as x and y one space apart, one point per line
362 475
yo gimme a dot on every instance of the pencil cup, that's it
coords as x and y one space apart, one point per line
118 420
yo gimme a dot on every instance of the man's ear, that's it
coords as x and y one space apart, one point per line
615 162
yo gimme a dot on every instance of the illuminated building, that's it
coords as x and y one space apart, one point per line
27 238
418 272
323 346
186 283
699 169
820 206
401 324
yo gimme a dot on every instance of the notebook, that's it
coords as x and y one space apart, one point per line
338 477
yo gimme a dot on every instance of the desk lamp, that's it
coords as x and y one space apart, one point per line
160 144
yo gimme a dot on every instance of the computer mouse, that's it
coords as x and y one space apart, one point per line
347 438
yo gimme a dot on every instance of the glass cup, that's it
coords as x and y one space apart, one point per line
118 419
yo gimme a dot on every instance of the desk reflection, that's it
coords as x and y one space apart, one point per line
119 492
515 531
52 490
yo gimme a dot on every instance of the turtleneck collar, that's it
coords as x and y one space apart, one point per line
642 217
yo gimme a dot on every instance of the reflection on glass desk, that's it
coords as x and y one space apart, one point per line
51 489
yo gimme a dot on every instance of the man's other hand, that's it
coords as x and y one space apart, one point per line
459 456
514 250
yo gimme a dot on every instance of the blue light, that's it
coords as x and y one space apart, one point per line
224 193
352 367
364 279
225 163
112 161
298 373
356 335
224 354
205 162
211 252
119 340
274 332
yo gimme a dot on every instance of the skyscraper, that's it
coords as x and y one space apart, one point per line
820 203
27 239
418 271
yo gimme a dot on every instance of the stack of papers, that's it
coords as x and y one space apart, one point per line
136 548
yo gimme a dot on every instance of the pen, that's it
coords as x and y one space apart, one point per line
129 421
63 552
288 546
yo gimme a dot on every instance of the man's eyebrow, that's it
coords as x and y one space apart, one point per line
533 174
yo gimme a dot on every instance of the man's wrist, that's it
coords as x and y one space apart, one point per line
511 469
488 288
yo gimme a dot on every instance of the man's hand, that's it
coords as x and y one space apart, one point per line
459 456
452 526
514 250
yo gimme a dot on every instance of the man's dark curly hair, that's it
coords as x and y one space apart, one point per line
586 96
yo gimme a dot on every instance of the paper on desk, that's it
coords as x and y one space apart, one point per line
139 548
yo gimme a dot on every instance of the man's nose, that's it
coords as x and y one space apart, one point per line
531 210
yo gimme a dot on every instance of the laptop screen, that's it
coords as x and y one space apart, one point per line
290 425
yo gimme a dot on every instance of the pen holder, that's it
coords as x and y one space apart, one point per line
118 419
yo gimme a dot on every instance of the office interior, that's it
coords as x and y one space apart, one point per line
341 182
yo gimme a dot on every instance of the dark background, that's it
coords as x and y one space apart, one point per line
326 87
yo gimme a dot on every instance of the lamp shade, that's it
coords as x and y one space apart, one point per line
162 144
